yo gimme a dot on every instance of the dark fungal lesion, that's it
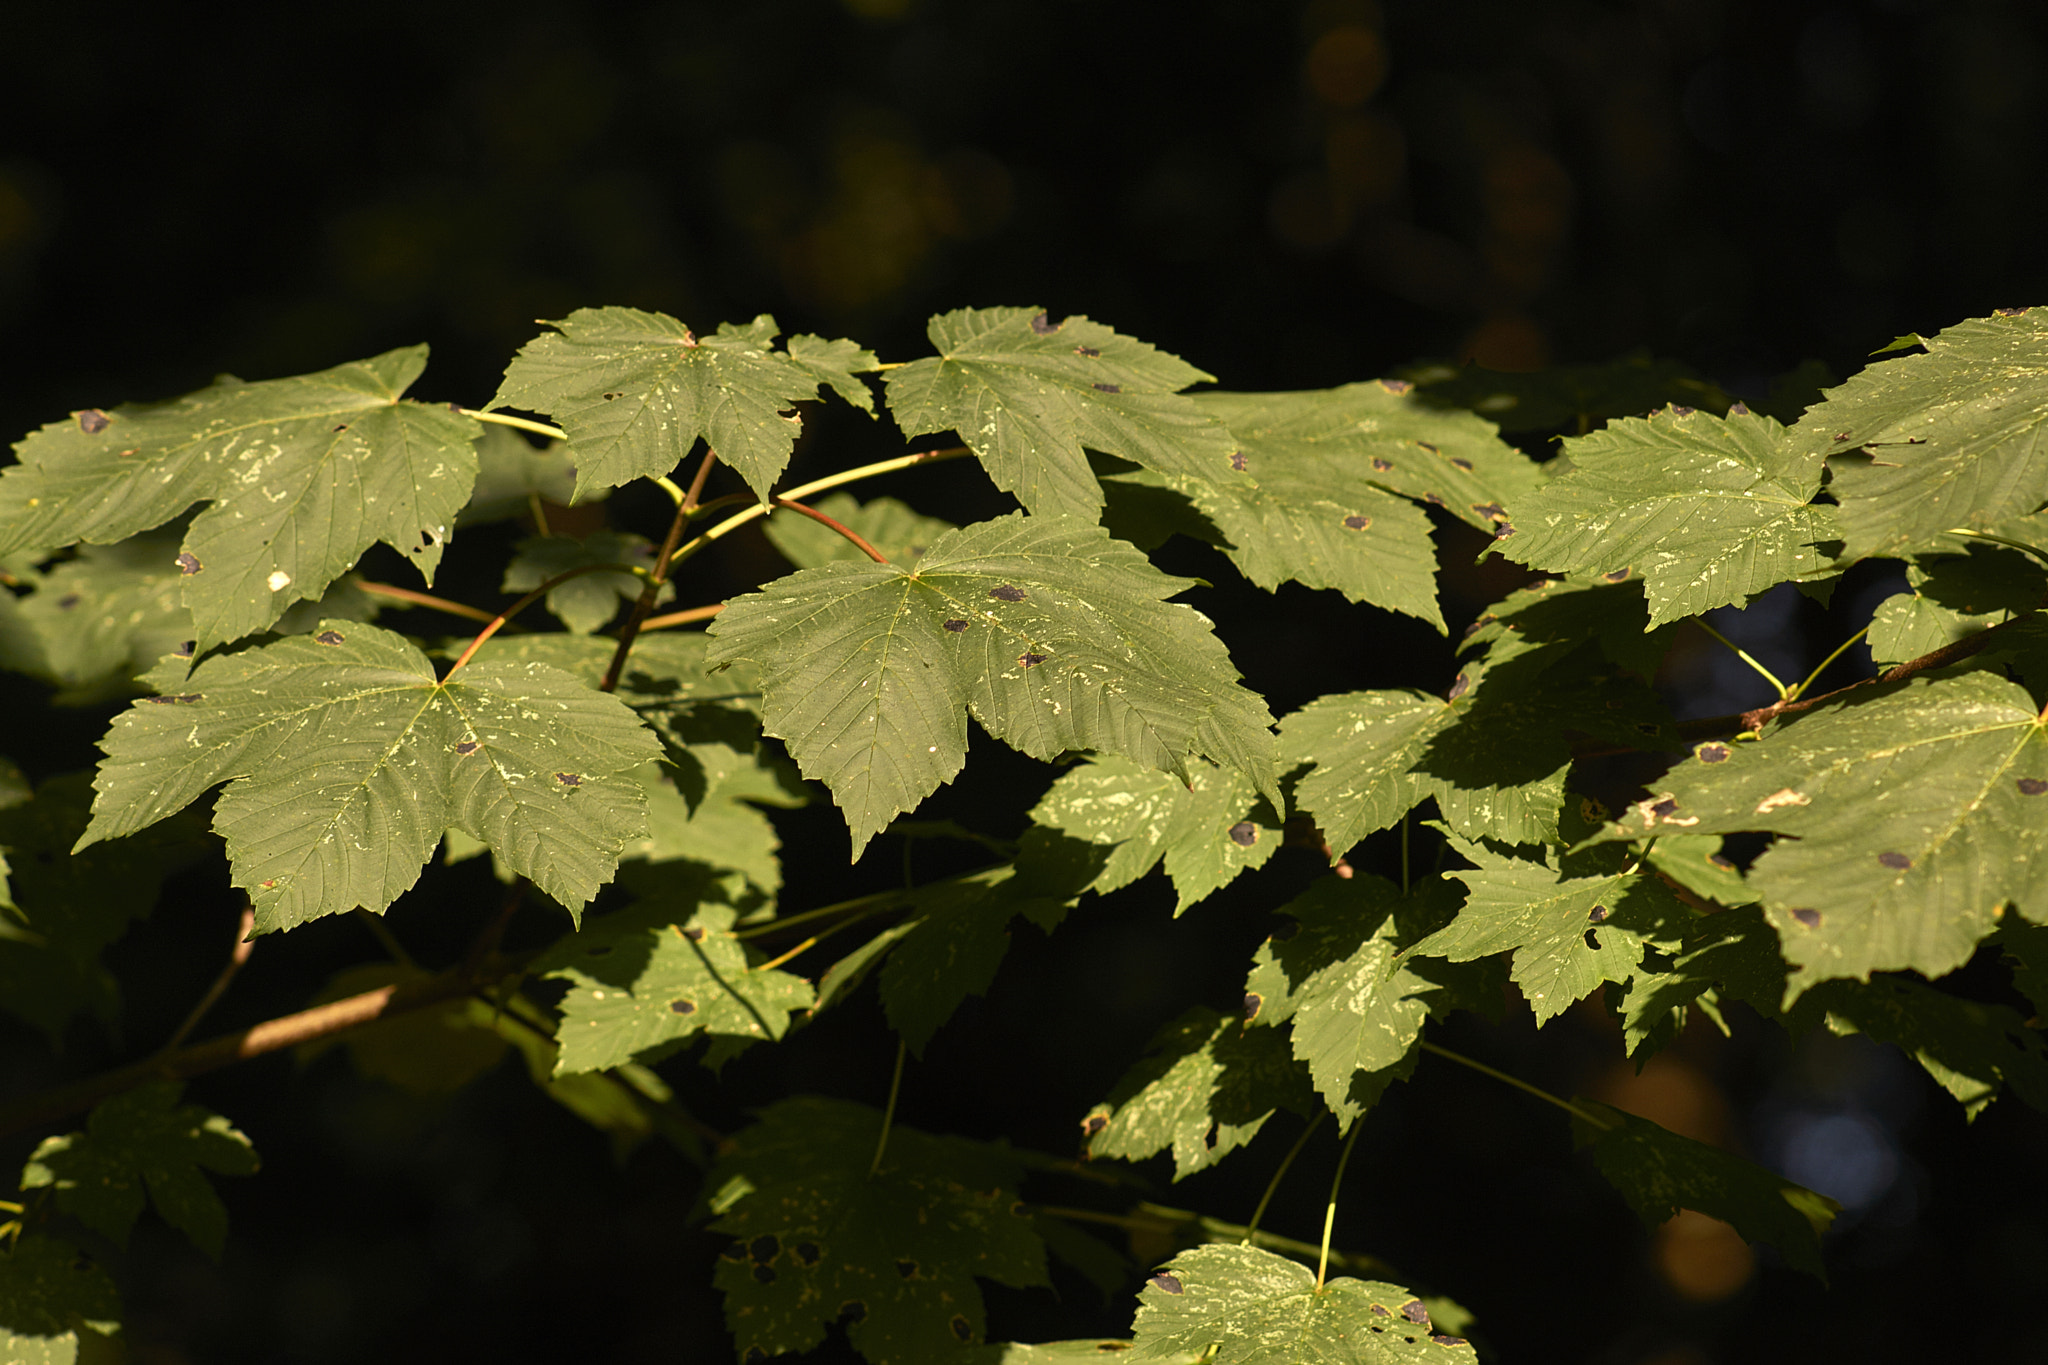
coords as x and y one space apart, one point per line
1006 593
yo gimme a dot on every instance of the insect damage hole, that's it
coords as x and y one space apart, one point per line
1007 593
188 563
569 779
328 637
1031 660
1165 1283
1244 834
93 421
1238 461
467 747
1044 325
956 626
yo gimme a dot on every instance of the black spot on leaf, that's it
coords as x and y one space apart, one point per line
1740 409
1459 687
184 650
1712 753
1415 1312
2010 312
1355 522
1238 461
68 601
1897 862
1492 511
956 626
1094 1124
1252 1001
1679 410
1807 916
569 779
1006 593
92 421
1504 532
764 1248
1381 1311
2032 786
342 427
1442 1340
807 1252
962 1328
1396 385
1031 660
188 563
694 934
1428 447
853 1310
467 747
1664 807
1598 914
1433 500
764 1275
1382 465
1108 388
1718 861
682 1007
1618 576
1244 834
1165 1283
1086 350
907 1269
1462 464
328 637
1044 325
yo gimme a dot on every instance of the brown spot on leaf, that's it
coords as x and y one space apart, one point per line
1618 576
1504 532
764 1274
1381 1311
1807 916
807 1252
2010 312
1355 522
1433 499
1031 660
1165 1283
342 427
956 625
92 421
1415 1312
764 1248
1238 461
1006 593
682 1007
1459 687
1244 834
328 637
1383 466
1712 753
1718 861
467 747
1086 350
2032 786
610 396
185 648
569 779
182 699
1480 624
1396 385
1252 1001
1109 388
1897 862
693 933
1740 409
1680 410
907 1268
1428 447
1598 914
1440 1339
1492 511
962 1328
1094 1124
1044 325
1664 807
188 563
68 601
1462 464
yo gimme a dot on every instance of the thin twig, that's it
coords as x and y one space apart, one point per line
497 622
1330 1209
859 541
1251 1229
237 955
665 560
889 1114
423 599
681 618
1483 1069
1953 652
523 423
1744 655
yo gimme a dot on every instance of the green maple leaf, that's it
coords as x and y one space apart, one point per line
639 982
724 829
1696 863
144 1140
1207 829
512 471
1568 934
71 908
1706 511
1732 954
1053 636
951 947
1205 1088
635 390
1356 1007
1566 395
1917 811
1029 396
346 758
1089 1351
1953 596
836 364
583 604
302 475
892 1253
1972 1049
1658 1173
1953 437
50 1293
1239 1305
899 533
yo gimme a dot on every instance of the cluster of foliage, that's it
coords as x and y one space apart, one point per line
203 552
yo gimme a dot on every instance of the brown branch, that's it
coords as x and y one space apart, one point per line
1953 652
273 1035
681 618
815 515
423 599
663 560
497 622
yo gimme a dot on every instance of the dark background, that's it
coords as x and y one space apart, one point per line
1289 195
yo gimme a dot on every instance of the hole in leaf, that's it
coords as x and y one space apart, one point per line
1618 576
342 427
1094 1124
1031 660
764 1274
328 637
807 1252
956 626
569 779
962 1328
764 1248
682 1007
1006 593
1165 1283
1807 916
184 649
92 421
907 1269
1244 834
1592 941
1044 325
1252 1001
188 563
